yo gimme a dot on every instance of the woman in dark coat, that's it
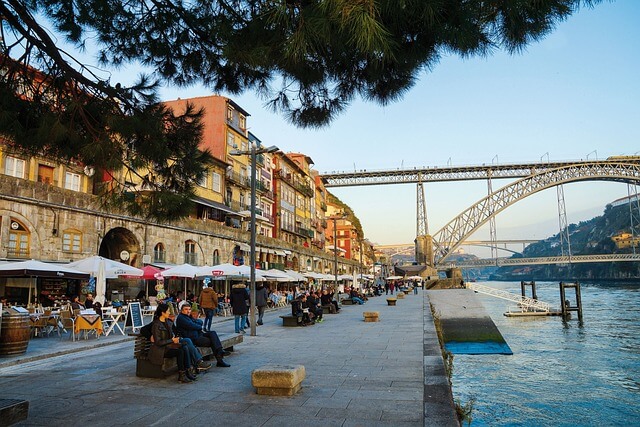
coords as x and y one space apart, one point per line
165 344
239 299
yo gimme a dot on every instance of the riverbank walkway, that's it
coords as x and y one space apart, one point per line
387 373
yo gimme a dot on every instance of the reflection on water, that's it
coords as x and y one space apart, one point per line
561 373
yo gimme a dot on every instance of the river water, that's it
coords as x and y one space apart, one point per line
561 373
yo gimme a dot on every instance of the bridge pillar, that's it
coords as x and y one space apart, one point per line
424 250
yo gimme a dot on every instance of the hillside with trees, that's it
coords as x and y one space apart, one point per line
594 236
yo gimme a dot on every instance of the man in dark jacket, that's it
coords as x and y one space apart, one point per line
314 307
261 301
188 327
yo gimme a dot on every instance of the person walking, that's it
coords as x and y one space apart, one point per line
239 298
208 301
262 293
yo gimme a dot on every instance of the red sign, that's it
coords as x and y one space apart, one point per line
217 273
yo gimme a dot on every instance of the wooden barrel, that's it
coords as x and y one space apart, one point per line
14 332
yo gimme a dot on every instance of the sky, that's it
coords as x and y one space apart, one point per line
573 95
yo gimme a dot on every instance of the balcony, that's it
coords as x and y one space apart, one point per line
304 189
238 179
304 231
323 206
288 177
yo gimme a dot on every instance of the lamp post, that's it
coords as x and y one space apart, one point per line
252 153
335 218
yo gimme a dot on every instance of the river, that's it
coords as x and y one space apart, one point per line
561 373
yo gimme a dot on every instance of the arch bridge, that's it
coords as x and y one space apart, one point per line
534 177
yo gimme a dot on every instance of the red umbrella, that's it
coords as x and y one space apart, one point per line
149 273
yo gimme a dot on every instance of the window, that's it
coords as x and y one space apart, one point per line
159 253
14 167
45 174
216 257
72 241
19 238
229 113
203 181
243 122
216 182
190 256
72 181
230 140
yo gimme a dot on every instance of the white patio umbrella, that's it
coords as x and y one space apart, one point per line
415 278
35 269
112 268
102 269
394 277
183 270
229 271
277 275
298 276
186 271
101 283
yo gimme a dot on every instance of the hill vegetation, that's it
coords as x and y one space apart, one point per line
594 236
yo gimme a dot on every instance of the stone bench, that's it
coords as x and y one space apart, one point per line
13 411
290 320
371 316
278 380
347 301
391 301
400 295
146 369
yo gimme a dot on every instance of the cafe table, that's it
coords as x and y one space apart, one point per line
110 319
88 323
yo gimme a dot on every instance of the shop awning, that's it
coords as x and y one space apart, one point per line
247 214
214 205
281 253
243 246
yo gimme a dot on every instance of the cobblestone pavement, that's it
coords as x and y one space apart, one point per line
357 374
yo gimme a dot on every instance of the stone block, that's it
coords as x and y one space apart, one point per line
278 380
13 411
371 316
391 301
400 295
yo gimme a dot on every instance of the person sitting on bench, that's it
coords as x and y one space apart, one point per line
188 327
327 300
297 310
313 302
165 344
355 297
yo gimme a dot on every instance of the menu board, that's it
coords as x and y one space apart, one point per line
134 316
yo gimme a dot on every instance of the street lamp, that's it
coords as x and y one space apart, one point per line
253 152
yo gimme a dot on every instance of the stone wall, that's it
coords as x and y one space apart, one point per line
47 211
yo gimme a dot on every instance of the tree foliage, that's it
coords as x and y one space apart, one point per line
308 58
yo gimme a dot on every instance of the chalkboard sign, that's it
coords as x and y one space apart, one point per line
134 316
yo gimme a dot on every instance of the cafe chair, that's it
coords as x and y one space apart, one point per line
67 322
39 326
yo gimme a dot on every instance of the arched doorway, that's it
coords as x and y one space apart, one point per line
121 245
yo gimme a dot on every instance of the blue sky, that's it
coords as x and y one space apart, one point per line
571 96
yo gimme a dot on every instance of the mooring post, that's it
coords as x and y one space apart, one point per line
566 305
523 289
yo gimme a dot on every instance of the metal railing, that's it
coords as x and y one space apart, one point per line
529 304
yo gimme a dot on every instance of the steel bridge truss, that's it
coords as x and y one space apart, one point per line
441 174
574 259
452 235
